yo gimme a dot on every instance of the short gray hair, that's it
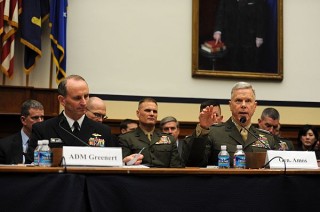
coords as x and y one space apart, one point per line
28 104
270 112
168 119
243 85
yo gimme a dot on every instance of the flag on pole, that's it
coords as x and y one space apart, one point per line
1 15
58 24
33 14
10 27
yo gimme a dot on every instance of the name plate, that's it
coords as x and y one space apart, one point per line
293 159
92 156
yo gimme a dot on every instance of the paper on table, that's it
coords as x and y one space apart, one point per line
136 166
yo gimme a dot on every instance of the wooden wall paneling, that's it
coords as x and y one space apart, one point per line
49 100
12 97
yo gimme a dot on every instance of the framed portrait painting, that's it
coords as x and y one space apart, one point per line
237 39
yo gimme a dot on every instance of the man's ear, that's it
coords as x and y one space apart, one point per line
23 120
61 100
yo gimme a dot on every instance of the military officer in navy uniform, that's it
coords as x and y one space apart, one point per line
72 127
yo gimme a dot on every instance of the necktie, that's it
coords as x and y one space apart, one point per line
25 147
244 134
180 147
149 136
76 127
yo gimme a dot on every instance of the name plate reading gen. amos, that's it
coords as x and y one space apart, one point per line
292 159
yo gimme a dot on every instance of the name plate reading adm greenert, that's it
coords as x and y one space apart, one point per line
92 156
293 159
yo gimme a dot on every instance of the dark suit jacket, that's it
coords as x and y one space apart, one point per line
240 21
180 146
51 130
155 154
204 150
11 149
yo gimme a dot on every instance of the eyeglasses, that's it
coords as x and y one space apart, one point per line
98 115
37 117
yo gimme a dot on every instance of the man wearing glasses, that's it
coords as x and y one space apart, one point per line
96 109
14 147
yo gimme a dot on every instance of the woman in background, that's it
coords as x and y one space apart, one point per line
307 139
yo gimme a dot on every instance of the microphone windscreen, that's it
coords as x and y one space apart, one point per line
243 119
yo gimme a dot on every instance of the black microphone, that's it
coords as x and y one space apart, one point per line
26 157
79 139
243 120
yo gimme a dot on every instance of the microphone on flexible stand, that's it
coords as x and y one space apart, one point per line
26 157
79 139
243 120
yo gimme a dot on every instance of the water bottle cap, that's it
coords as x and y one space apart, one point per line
239 146
40 142
45 142
223 147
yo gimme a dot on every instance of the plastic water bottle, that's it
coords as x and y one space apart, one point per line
45 154
36 153
223 158
239 158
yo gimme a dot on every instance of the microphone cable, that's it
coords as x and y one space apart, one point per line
63 163
83 142
284 162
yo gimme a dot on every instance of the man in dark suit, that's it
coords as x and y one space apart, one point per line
160 150
240 24
72 127
207 144
14 147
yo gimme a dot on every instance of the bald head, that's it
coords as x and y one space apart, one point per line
96 102
96 109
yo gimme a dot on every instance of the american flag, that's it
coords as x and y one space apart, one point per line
10 27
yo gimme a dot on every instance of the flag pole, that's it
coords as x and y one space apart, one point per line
27 80
3 79
51 70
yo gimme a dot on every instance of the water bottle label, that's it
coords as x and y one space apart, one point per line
45 158
224 161
240 161
35 158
